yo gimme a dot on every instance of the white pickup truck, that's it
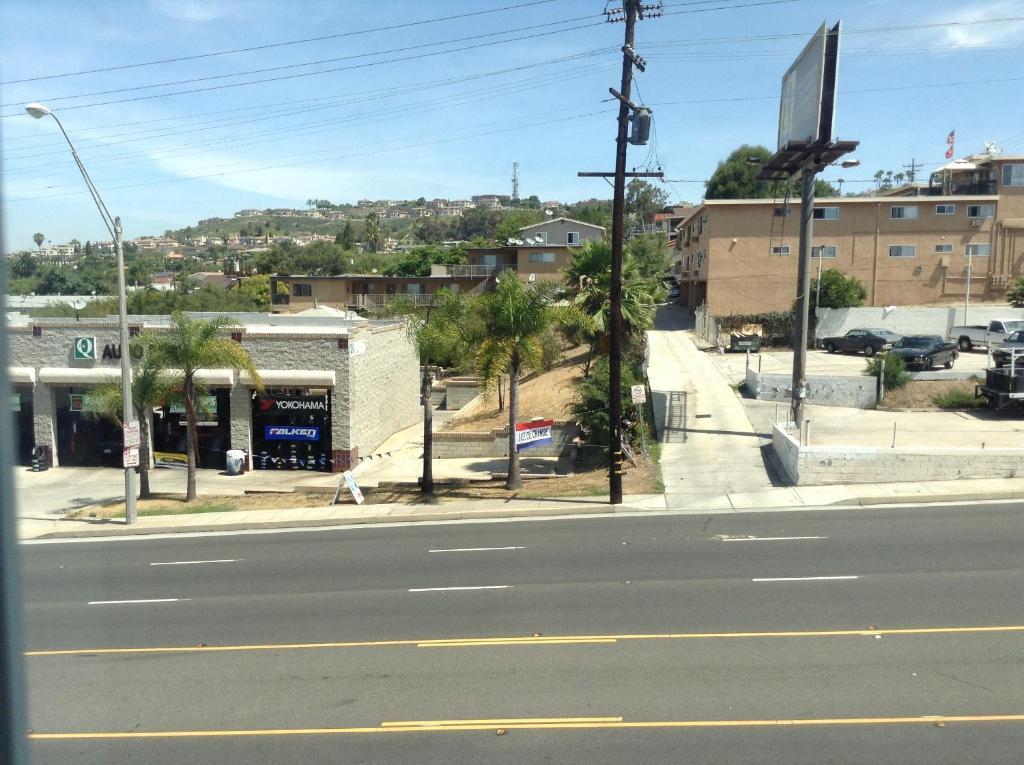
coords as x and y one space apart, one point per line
991 334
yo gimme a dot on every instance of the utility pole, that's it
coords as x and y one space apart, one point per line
967 295
630 12
912 169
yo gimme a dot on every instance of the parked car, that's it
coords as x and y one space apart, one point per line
1001 355
866 341
925 351
991 334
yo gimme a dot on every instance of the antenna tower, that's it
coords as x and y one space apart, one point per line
515 181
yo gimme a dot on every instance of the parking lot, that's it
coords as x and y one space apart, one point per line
733 365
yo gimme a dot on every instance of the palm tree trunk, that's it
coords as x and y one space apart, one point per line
191 443
427 484
515 479
144 455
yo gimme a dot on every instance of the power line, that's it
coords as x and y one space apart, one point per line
232 51
57 99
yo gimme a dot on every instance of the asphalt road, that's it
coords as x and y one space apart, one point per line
804 637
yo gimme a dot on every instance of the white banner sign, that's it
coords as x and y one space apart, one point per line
131 457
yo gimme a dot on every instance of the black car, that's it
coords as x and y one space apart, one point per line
866 341
925 351
1001 355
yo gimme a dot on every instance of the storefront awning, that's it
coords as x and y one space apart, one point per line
299 378
21 374
84 375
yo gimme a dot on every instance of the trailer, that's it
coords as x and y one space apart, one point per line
1004 386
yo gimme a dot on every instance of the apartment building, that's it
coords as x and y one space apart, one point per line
543 250
912 246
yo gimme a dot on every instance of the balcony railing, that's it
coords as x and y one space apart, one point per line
382 299
469 271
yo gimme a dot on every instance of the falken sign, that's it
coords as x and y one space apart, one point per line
535 433
291 432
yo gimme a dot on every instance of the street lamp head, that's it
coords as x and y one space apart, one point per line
37 110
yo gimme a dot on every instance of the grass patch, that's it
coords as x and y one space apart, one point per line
189 508
959 399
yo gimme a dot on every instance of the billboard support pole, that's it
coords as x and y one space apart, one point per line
803 292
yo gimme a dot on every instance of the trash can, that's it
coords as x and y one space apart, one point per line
235 462
745 343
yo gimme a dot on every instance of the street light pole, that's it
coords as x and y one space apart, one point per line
114 227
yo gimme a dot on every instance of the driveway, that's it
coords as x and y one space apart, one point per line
709 446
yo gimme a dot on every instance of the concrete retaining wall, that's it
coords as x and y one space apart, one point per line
858 392
909 320
824 465
495 444
460 391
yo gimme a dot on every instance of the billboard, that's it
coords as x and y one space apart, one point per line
807 105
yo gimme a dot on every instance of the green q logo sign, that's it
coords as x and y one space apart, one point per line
85 348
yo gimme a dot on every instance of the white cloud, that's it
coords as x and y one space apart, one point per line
975 35
193 11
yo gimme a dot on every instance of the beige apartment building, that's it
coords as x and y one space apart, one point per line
908 246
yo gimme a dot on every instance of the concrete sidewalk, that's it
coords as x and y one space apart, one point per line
773 499
709 447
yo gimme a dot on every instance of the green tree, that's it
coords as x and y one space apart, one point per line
348 236
24 265
508 325
188 346
838 291
151 387
736 177
590 409
588 287
1016 294
373 236
649 254
39 239
418 261
644 199
513 221
595 211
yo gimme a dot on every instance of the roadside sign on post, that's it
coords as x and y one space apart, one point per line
639 394
131 456
132 435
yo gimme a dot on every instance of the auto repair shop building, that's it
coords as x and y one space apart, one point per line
334 389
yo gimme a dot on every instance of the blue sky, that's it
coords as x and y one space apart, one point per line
529 85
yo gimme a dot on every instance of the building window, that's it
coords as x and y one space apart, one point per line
782 250
542 257
826 213
782 212
902 250
573 237
906 212
541 237
825 251
943 249
414 289
302 290
981 211
945 209
978 250
1013 175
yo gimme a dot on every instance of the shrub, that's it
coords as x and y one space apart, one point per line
590 409
550 349
1016 294
959 399
895 370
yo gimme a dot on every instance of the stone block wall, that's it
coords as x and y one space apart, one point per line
825 465
460 391
858 392
449 445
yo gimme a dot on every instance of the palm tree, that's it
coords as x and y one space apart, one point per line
191 345
151 386
39 239
589 289
508 325
878 178
441 334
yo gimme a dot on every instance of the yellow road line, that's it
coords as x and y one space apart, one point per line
552 640
539 724
499 722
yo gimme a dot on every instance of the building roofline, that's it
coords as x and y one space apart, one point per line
563 218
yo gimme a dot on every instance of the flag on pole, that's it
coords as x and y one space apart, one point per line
951 142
